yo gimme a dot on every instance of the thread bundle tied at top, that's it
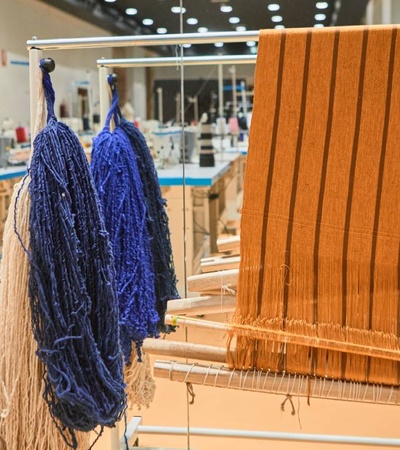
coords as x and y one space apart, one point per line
72 284
116 175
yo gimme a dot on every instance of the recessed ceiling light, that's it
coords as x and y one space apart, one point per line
219 44
161 30
192 21
226 8
279 26
241 28
202 29
250 43
178 10
131 11
273 7
186 45
321 5
110 1
319 25
320 16
276 18
234 20
147 22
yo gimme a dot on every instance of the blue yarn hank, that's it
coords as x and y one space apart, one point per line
120 190
72 284
157 224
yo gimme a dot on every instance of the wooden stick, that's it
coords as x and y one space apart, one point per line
289 338
184 350
202 305
273 383
231 244
219 263
213 281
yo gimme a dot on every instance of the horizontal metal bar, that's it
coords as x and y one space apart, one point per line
143 40
173 61
271 435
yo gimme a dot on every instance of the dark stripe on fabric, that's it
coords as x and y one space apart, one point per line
296 169
270 171
324 169
351 185
322 183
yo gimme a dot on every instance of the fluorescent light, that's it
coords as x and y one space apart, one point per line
202 30
186 45
147 21
321 5
319 25
161 30
226 8
219 44
320 16
250 43
273 7
131 11
279 26
234 20
276 18
110 1
192 21
178 10
241 28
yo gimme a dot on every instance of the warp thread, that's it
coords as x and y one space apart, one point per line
72 284
116 176
157 224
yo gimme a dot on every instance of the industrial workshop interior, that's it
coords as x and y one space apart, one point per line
148 297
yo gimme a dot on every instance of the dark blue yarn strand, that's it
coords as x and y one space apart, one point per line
157 223
116 176
72 285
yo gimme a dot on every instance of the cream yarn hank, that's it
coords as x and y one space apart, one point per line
25 421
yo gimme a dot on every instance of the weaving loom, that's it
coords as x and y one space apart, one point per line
318 282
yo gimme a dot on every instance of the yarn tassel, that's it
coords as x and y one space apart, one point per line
157 224
72 285
119 187
25 421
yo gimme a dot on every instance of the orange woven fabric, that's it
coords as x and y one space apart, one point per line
320 228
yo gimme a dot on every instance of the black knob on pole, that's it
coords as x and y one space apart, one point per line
48 64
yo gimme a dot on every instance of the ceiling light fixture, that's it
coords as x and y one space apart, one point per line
241 28
279 26
110 1
178 10
202 30
274 7
131 11
147 22
219 44
234 20
251 43
319 25
186 45
226 8
321 5
192 21
320 16
161 30
276 18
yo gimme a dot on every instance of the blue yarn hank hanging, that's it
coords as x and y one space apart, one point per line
72 284
157 223
120 190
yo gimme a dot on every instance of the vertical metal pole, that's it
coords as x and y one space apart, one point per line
220 91
160 104
369 15
386 11
103 95
244 97
35 56
234 97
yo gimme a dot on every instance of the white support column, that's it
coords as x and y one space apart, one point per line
220 90
386 11
35 56
103 94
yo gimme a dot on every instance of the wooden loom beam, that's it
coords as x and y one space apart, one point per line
288 338
274 383
202 305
